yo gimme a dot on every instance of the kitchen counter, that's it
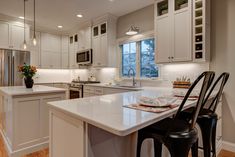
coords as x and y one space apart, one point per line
98 123
22 90
107 112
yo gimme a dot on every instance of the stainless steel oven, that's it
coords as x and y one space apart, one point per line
84 57
75 92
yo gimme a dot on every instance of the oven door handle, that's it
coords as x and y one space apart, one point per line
75 89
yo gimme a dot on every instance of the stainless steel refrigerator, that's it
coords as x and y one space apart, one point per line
9 62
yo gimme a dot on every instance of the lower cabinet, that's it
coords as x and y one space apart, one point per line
90 91
25 121
67 136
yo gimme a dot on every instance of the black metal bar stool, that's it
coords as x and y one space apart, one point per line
207 118
176 134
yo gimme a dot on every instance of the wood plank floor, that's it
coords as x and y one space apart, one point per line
44 153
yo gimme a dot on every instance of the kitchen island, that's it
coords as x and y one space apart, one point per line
24 117
101 127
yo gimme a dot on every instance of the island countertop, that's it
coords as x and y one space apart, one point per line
22 90
107 112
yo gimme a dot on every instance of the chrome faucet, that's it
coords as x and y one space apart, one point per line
133 74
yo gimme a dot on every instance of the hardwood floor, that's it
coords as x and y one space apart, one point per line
44 153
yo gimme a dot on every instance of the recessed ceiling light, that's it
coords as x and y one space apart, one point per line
79 15
111 0
21 17
60 26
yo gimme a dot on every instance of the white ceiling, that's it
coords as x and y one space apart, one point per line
51 13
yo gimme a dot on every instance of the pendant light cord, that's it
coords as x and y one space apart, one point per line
24 21
34 6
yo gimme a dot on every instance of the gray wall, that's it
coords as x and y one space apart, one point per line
143 18
223 58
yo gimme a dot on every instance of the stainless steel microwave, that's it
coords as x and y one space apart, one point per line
84 57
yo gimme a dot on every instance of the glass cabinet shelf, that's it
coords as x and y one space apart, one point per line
162 7
180 4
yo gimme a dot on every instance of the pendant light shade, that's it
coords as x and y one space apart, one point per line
34 21
132 31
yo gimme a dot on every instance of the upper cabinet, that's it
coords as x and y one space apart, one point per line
65 52
174 30
35 50
12 35
104 41
73 48
50 51
84 38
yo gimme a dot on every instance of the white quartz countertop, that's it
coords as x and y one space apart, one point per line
113 86
107 112
22 90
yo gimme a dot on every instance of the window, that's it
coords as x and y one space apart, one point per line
139 56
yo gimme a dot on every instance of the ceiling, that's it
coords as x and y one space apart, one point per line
51 13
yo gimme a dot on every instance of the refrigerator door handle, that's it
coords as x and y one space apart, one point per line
13 70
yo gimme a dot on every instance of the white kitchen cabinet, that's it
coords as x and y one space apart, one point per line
17 36
84 39
73 48
4 34
68 137
104 41
50 51
26 121
65 52
35 50
89 91
201 30
173 31
12 35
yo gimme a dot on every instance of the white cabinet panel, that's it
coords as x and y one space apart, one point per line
4 34
17 36
50 42
35 50
163 40
67 137
44 114
65 52
96 51
84 39
27 120
182 37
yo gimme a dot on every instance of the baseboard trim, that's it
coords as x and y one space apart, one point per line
228 146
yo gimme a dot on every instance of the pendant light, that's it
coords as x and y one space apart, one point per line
34 21
132 30
24 44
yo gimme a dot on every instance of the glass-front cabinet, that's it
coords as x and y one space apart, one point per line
163 7
180 4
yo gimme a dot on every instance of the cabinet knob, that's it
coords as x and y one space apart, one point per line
169 57
172 57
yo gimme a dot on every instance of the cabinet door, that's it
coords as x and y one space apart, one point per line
65 52
4 34
96 51
50 42
67 136
17 37
35 50
163 40
44 115
50 60
182 35
103 56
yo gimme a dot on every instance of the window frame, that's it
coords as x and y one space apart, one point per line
137 39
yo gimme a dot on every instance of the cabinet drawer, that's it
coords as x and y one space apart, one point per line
89 90
98 91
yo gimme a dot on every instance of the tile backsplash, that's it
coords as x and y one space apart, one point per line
168 72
